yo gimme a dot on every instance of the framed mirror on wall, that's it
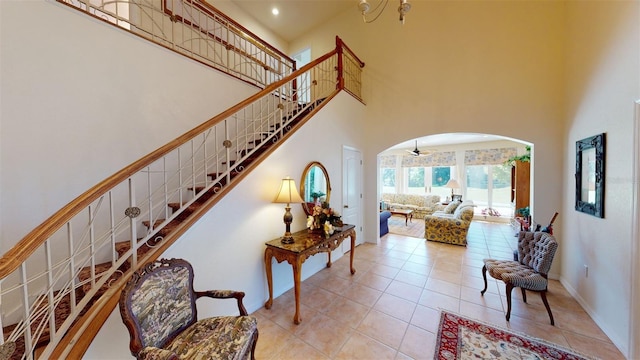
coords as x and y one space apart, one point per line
315 187
590 175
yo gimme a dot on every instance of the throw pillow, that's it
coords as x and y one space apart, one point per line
449 209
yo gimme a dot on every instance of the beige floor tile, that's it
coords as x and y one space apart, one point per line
439 301
324 334
411 278
374 281
589 346
443 287
360 346
295 348
418 343
348 311
426 318
395 306
384 328
363 294
405 291
446 275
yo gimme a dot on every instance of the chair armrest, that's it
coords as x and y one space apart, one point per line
446 222
225 294
154 353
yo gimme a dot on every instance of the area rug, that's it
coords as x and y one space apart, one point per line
462 338
413 228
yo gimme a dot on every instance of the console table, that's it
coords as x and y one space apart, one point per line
305 244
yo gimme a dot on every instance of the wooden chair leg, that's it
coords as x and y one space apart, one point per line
524 295
484 276
543 295
509 288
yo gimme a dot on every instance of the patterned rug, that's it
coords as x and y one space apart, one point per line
414 228
462 338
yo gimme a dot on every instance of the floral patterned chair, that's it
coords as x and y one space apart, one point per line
450 225
535 254
158 307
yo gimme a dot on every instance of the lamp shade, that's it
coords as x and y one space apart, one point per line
452 184
288 192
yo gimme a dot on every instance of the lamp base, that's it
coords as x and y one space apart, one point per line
287 240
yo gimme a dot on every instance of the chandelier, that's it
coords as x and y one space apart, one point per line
365 8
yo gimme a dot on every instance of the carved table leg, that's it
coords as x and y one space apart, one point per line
353 250
268 254
297 269
329 258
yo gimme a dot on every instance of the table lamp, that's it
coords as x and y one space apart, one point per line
288 194
452 184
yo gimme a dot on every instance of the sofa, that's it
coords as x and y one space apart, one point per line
384 222
421 205
451 224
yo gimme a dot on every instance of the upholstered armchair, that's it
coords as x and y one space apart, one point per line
450 228
158 307
535 254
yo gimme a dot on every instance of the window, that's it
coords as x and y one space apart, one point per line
490 187
415 180
388 180
427 180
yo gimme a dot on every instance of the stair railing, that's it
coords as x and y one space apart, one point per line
197 30
51 280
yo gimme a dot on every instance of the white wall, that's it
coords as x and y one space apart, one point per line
80 100
603 69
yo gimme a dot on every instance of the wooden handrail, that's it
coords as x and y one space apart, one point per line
19 253
244 30
238 29
341 45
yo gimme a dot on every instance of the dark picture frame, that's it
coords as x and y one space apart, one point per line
456 198
590 175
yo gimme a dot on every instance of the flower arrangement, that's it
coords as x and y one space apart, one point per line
324 218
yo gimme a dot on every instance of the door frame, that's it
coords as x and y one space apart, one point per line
634 326
359 216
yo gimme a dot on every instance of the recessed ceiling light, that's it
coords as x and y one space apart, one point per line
275 11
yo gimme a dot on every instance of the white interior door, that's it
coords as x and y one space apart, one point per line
352 193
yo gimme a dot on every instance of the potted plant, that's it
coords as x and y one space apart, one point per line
316 194
526 157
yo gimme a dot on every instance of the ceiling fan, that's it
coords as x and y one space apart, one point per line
416 151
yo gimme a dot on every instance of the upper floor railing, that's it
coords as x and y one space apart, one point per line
51 280
197 30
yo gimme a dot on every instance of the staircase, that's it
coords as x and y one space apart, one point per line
61 282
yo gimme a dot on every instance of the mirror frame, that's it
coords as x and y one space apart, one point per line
305 205
594 175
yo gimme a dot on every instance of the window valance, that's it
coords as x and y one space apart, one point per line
444 158
388 161
489 156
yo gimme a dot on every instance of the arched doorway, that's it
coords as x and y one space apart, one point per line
485 168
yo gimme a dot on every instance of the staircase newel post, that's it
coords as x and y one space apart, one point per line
340 52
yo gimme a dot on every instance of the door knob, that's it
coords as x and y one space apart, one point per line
346 206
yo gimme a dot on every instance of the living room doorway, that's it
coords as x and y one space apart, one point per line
481 164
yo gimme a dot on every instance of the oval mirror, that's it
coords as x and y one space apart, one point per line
314 186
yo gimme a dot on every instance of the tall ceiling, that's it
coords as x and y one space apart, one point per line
296 17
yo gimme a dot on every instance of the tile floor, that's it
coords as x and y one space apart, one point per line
390 308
